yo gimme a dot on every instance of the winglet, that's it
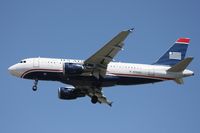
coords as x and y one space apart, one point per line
131 30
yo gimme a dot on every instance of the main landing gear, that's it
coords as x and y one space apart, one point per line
34 88
94 99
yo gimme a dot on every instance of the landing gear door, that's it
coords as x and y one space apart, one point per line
36 62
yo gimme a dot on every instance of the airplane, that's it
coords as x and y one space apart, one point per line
88 77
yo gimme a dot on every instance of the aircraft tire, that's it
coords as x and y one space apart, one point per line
94 99
34 88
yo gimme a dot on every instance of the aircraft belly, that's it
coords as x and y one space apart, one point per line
88 80
109 81
135 80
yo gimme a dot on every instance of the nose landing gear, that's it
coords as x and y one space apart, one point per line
34 88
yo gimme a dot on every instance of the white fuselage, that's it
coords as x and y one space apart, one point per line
127 70
89 76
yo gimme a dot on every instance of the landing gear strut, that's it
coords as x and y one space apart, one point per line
34 88
94 99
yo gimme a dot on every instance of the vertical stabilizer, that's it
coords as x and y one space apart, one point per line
175 54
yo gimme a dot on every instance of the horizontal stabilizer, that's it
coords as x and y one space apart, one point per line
181 66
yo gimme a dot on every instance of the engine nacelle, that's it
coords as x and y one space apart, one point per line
72 69
69 93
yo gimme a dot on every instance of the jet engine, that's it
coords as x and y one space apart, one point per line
72 69
69 93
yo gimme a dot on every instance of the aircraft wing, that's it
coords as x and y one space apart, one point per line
98 62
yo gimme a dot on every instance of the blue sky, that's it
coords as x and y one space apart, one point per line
76 29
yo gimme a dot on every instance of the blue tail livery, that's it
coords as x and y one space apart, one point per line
175 54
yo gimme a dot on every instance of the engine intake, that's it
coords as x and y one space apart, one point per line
72 69
69 93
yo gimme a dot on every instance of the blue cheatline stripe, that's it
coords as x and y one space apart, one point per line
39 70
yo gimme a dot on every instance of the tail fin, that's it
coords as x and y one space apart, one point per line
175 54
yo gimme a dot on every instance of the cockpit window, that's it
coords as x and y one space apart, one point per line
23 61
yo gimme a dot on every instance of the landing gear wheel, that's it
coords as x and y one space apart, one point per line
94 99
34 88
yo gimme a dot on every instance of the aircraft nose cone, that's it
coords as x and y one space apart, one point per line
14 71
11 70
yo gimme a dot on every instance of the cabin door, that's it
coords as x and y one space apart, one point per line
36 62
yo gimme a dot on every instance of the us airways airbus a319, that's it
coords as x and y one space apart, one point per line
88 77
